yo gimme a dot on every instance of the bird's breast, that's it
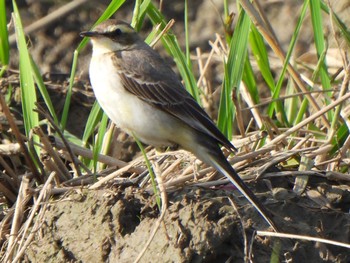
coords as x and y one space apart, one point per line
127 111
109 91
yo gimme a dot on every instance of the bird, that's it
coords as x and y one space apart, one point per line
143 96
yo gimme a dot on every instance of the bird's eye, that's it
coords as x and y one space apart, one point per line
117 32
113 32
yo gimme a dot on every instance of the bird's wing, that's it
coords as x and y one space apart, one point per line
161 88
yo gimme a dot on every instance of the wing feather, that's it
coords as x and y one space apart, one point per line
160 87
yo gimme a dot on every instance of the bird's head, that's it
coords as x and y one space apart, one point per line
112 35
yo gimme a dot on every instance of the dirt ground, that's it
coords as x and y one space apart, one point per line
200 224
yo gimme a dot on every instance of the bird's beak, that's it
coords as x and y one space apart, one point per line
89 34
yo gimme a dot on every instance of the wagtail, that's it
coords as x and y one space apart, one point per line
142 95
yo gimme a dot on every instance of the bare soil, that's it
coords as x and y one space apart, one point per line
200 225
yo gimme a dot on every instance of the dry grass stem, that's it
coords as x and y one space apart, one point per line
302 237
18 216
87 153
167 27
163 211
56 161
308 120
43 197
115 174
19 138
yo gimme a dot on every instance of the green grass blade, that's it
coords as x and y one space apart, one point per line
259 51
187 36
151 173
340 137
278 106
92 121
225 108
43 91
292 105
28 93
320 64
142 11
65 112
226 9
99 142
4 41
8 94
276 251
95 116
249 80
136 14
301 112
152 35
316 18
233 72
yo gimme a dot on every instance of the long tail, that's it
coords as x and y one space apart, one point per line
210 153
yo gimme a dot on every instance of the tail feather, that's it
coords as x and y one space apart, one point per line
210 153
224 167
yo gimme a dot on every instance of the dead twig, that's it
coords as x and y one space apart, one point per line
303 237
